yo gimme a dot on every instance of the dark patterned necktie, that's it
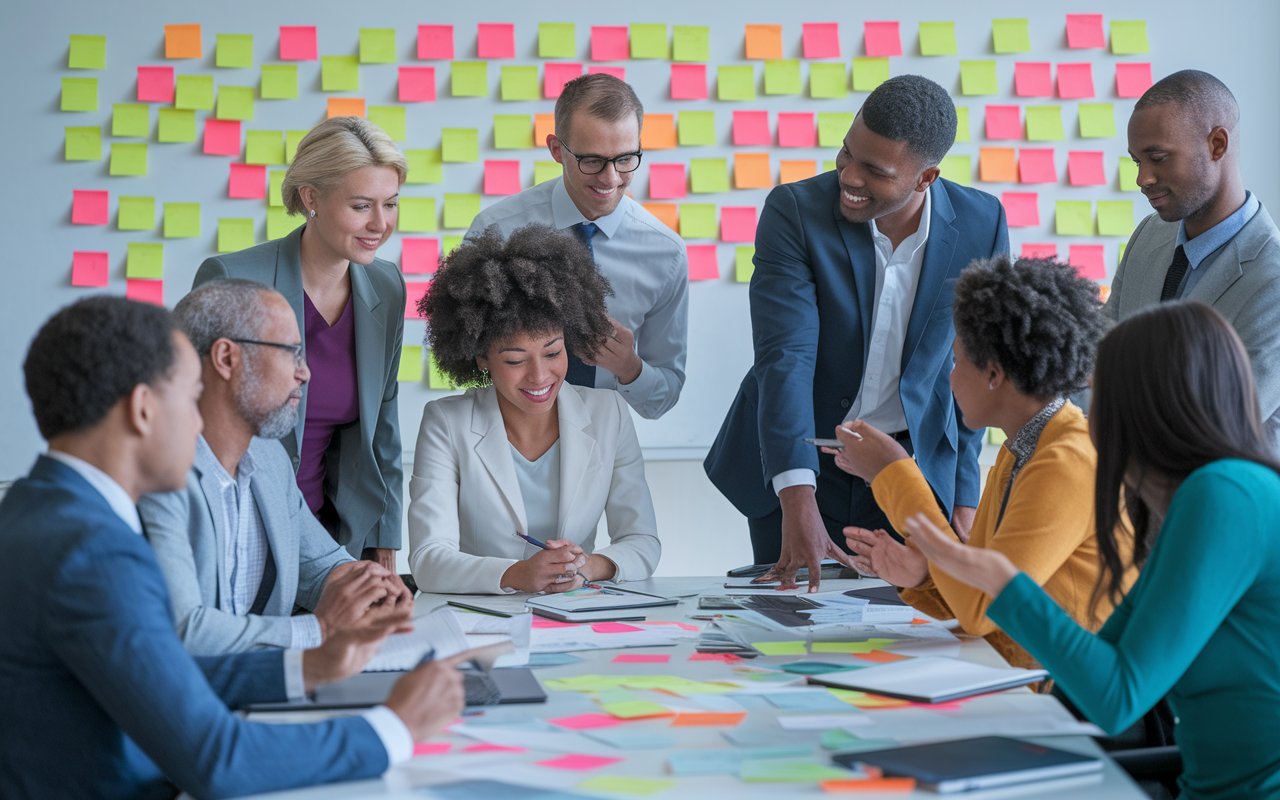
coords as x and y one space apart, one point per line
1173 278
581 374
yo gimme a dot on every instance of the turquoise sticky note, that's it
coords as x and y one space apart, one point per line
235 50
520 83
424 166
340 73
978 77
181 221
512 132
556 40
79 94
1010 36
377 45
87 52
1073 217
390 119
470 79
868 73
736 83
1097 121
690 43
1044 123
698 221
937 38
1128 175
1115 217
235 234
264 147
782 77
833 126
459 145
957 169
145 260
828 80
417 215
193 92
279 82
83 144
708 175
128 159
962 124
131 119
697 128
235 102
460 209
1129 37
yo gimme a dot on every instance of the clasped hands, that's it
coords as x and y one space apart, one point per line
562 567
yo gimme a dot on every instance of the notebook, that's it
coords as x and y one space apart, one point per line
597 603
931 679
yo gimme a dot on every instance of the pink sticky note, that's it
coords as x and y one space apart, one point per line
666 181
431 748
1030 250
417 84
89 268
1085 30
89 207
419 256
1084 168
435 42
609 43
797 130
144 290
501 177
485 747
556 76
1022 209
727 658
751 128
415 292
641 658
543 622
1032 79
688 81
685 626
703 264
738 224
1075 81
496 40
1087 259
1036 166
248 182
155 84
582 722
577 762
614 627
298 43
618 72
222 137
821 39
1132 79
1004 122
882 38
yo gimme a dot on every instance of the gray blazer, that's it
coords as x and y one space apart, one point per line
364 476
1242 281
190 544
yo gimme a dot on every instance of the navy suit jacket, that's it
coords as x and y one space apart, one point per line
98 697
812 296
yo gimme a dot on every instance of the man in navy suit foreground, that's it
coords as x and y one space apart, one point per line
97 695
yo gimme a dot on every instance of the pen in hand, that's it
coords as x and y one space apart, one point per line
585 583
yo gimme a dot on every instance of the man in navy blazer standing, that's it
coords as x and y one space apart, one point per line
851 319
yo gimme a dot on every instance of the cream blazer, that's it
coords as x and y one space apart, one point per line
465 503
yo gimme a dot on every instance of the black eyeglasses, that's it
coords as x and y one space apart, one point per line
298 358
592 165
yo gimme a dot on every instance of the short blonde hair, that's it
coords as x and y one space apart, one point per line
334 149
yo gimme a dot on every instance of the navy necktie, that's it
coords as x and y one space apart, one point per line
1173 278
581 374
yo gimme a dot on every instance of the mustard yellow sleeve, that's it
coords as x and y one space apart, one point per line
901 491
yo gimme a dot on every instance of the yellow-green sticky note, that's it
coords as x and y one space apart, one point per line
827 80
1129 37
377 45
469 79
279 82
782 77
698 220
962 124
631 709
1115 217
708 175
390 119
131 119
630 785
1120 255
235 234
978 77
780 648
937 38
264 147
175 125
833 126
1010 35
1044 123
437 379
145 260
340 73
193 92
544 171
512 132
743 263
736 83
1073 217
137 214
459 145
181 220
417 215
129 159
83 144
79 94
868 73
235 102
520 83
556 40
957 169
649 40
460 209
1097 121
690 43
1128 175
828 166
851 647
697 128
291 141
87 52
996 436
450 243
424 166
235 50
280 223
410 364
275 189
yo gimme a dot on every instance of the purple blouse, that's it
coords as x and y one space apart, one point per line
332 400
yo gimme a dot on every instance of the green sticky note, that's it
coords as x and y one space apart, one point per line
778 771
631 709
743 264
708 175
850 647
275 188
1044 123
1115 217
129 159
544 171
417 215
79 94
235 234
736 83
1129 37
450 243
868 73
1128 175
828 166
520 83
649 41
828 80
83 144
87 52
424 166
279 82
1120 255
1073 217
146 260
698 220
410 364
957 169
390 119
782 77
235 50
291 141
697 128
437 379
131 119
962 124
1010 36
280 223
469 79
978 77
996 436
833 126
459 145
264 147
176 125
780 648
137 214
691 43
340 73
512 132
193 92
460 209
556 40
235 102
377 45
629 785
937 38
1097 121
181 220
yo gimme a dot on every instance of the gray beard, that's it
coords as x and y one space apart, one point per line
267 423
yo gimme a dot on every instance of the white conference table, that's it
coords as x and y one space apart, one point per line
412 779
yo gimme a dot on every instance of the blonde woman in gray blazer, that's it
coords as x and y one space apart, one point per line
524 452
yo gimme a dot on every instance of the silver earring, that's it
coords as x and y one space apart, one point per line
992 386
313 213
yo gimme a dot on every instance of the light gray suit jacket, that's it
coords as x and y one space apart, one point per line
1242 282
190 544
364 477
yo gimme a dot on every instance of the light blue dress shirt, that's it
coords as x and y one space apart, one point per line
540 489
1212 240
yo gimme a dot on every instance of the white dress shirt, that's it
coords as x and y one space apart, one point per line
540 490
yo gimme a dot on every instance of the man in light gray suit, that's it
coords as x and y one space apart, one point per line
238 546
1210 239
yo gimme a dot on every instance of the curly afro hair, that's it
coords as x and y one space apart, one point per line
1038 319
489 289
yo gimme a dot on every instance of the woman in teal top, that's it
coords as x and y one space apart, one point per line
1176 422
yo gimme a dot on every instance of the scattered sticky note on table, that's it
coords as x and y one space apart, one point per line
821 39
247 182
821 700
1033 79
279 82
1097 121
182 41
736 83
882 38
87 52
1036 165
501 177
614 627
1084 168
131 119
778 771
1044 123
496 40
712 718
193 92
608 43
145 291
485 747
89 207
850 647
751 128
697 221
666 181
937 38
1129 37
221 137
520 83
89 267
781 648
459 145
340 73
997 165
555 76
868 73
435 42
828 80
691 43
1075 81
181 220
1115 217
743 268
416 85
469 79
155 84
128 159
1010 36
512 132
978 77
419 256
1088 260
298 43
659 132
390 119
235 102
460 209
275 188
145 260
1021 209
630 738
1073 218
235 234
79 94
698 128
1004 122
751 171
636 709
417 215
1128 175
630 785
377 45
688 81
641 658
234 50
833 126
782 77
649 40
431 748
796 129
1132 79
1085 30
137 214
708 175
738 223
580 722
957 169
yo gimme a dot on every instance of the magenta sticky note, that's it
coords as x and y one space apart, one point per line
501 177
417 84
797 129
1088 261
155 84
1021 209
555 76
641 658
666 181
485 747
222 137
89 268
1035 165
751 129
1075 81
431 748
1030 250
727 658
1085 30
609 43
688 81
145 290
578 762
882 38
415 292
582 722
1132 79
248 182
1004 122
1084 168
614 627
1032 79
543 622
419 256
703 264
435 42
618 72
821 39
89 207
298 43
738 224
496 40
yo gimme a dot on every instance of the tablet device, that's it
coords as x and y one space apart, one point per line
368 689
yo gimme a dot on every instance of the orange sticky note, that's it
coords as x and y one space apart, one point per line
659 132
792 171
709 717
345 107
997 164
880 657
870 785
544 125
764 41
182 41
751 171
667 213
